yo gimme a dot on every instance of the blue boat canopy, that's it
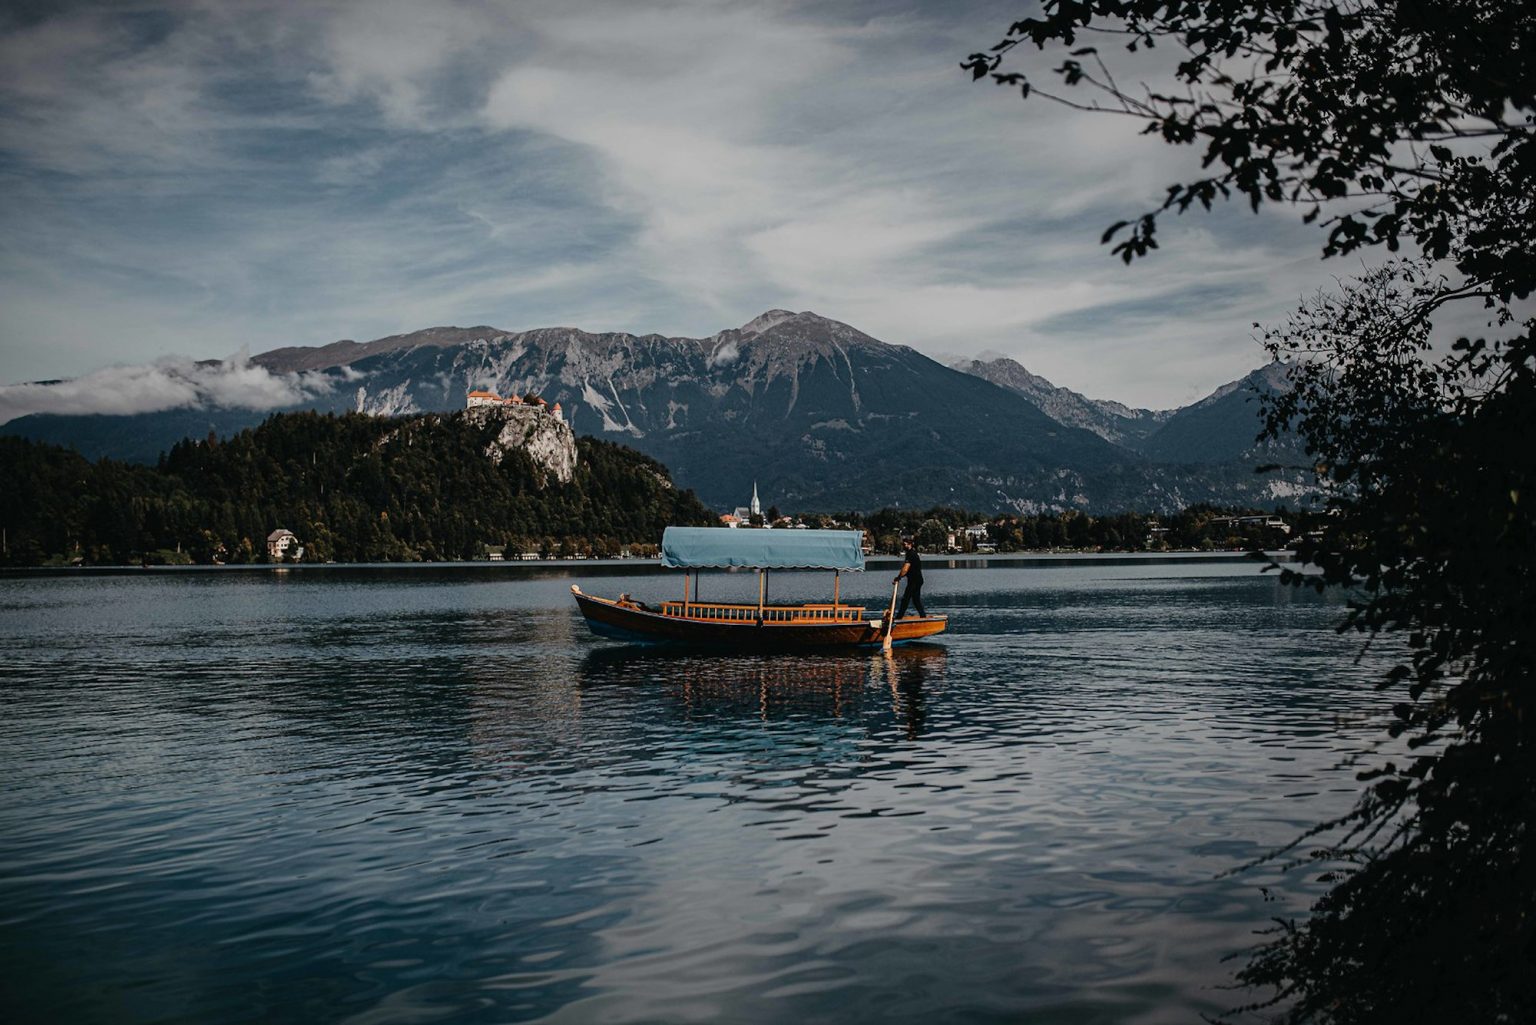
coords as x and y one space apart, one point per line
722 547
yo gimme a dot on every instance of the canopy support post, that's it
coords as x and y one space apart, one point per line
762 592
685 594
837 581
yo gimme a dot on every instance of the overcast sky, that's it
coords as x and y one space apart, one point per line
190 179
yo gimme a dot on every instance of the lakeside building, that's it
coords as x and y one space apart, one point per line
280 542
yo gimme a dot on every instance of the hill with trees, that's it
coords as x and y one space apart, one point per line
351 487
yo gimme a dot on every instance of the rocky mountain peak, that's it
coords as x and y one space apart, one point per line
808 332
1272 377
1112 421
804 326
337 354
763 321
1009 373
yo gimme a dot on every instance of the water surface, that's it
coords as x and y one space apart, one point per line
426 794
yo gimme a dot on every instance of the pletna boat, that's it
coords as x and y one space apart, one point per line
762 626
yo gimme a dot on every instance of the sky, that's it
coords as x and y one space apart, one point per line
200 179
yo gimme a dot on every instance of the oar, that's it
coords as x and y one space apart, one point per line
890 623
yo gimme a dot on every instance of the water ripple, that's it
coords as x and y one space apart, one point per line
422 796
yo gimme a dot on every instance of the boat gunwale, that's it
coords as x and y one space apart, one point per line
861 632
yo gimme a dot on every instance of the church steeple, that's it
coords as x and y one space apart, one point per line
756 507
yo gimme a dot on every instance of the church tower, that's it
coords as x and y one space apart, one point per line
757 507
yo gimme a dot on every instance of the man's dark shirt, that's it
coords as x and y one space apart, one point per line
914 568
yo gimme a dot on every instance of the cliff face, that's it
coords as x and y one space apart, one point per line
550 443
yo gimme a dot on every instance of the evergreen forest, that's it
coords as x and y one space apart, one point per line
352 488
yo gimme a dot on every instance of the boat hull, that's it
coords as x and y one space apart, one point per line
627 622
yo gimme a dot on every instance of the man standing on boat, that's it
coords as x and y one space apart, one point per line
912 569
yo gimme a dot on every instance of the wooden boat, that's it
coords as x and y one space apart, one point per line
761 626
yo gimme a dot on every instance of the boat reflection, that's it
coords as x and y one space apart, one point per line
835 685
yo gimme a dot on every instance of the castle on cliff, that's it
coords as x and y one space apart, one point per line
489 398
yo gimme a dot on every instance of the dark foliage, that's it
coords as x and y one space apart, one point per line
1430 465
1406 121
1406 126
351 487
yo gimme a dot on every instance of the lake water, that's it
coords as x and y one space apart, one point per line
427 794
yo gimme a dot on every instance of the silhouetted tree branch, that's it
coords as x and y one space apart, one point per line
1409 124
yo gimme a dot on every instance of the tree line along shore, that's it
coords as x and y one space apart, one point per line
355 488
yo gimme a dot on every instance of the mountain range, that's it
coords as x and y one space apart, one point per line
821 416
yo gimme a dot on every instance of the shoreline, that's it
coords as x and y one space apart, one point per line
957 561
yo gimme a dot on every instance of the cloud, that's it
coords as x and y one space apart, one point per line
777 161
235 383
250 171
725 355
394 53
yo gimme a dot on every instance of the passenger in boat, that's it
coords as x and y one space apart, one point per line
912 569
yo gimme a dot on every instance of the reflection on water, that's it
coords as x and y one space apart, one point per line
430 795
783 686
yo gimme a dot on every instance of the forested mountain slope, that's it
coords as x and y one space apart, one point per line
351 487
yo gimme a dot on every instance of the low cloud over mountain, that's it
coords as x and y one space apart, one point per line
235 383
